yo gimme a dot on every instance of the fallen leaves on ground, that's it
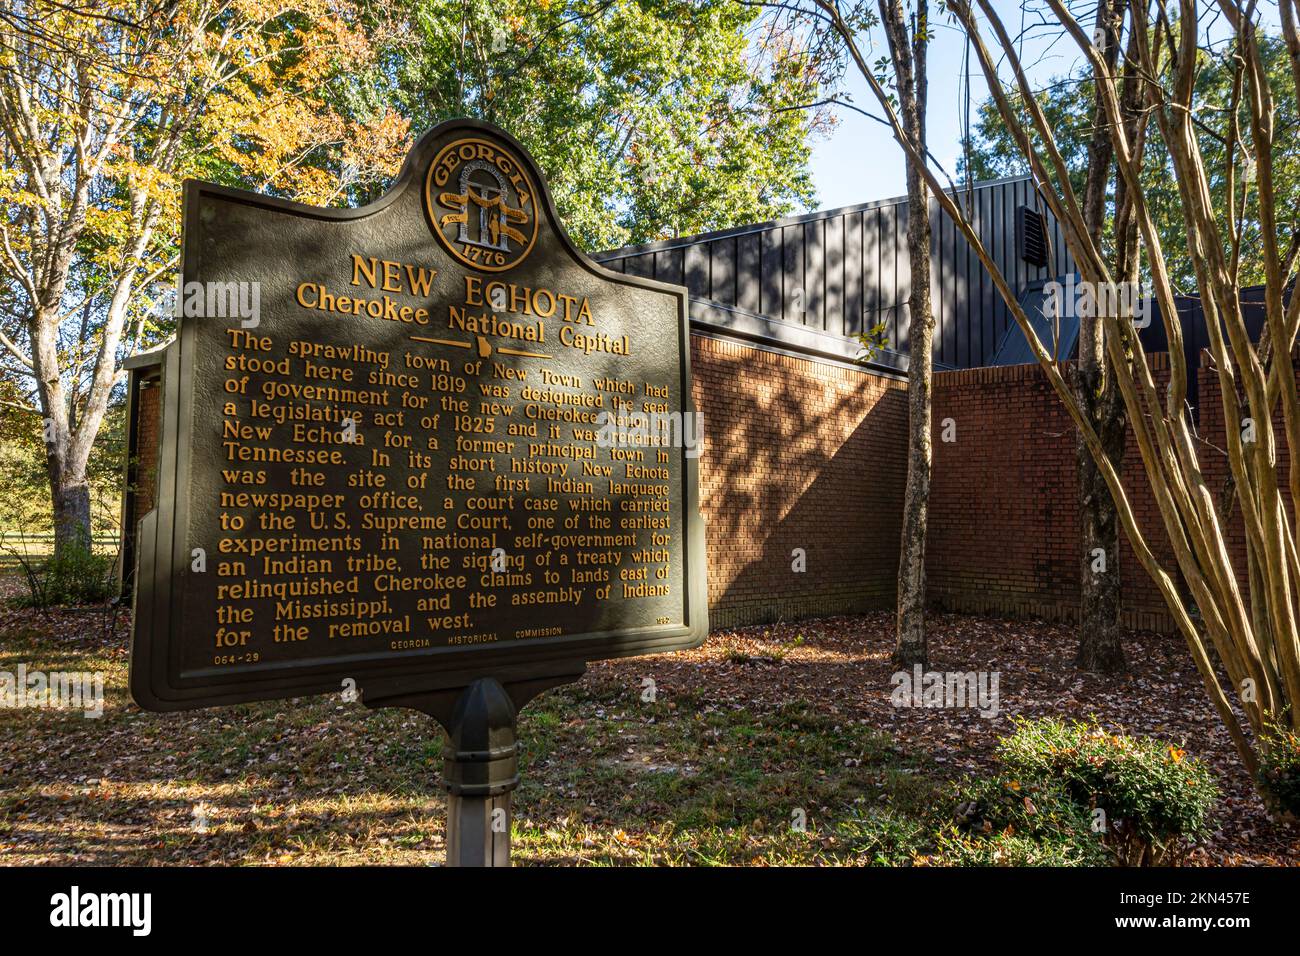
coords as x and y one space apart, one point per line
759 723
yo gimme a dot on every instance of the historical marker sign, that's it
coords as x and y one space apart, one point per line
389 461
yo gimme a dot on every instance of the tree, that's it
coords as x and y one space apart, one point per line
1095 388
1247 615
651 118
908 37
102 112
993 152
1079 126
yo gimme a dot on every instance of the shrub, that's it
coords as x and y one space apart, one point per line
1002 822
1279 771
1155 799
74 574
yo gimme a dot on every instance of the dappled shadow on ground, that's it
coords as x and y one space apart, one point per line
743 735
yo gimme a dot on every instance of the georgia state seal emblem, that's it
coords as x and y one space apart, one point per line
482 204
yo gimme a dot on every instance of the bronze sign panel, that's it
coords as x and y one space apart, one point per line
441 446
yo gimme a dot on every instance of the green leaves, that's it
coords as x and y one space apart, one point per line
872 341
650 118
1279 770
1068 104
1148 796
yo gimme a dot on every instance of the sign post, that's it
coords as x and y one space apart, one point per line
481 771
425 452
480 760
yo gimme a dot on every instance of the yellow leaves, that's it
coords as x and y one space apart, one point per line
380 145
1176 754
108 224
12 196
314 186
235 92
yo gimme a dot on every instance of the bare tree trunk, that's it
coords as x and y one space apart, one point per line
1100 646
71 500
69 490
907 45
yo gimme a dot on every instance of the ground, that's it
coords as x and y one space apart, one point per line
757 729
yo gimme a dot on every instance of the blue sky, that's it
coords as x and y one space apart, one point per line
860 161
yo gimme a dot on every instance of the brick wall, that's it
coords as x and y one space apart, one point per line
1004 513
798 454
147 447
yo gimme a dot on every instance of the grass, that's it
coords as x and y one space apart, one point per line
686 781
16 546
607 779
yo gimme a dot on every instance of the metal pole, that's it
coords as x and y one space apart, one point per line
480 769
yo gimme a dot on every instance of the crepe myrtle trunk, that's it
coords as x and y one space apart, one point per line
1100 646
907 50
911 644
1097 393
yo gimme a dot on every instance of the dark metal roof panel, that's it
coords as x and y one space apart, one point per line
841 271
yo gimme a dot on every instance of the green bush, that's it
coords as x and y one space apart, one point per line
1155 799
1279 770
1006 823
74 574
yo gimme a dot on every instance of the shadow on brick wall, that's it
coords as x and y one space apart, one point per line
799 457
